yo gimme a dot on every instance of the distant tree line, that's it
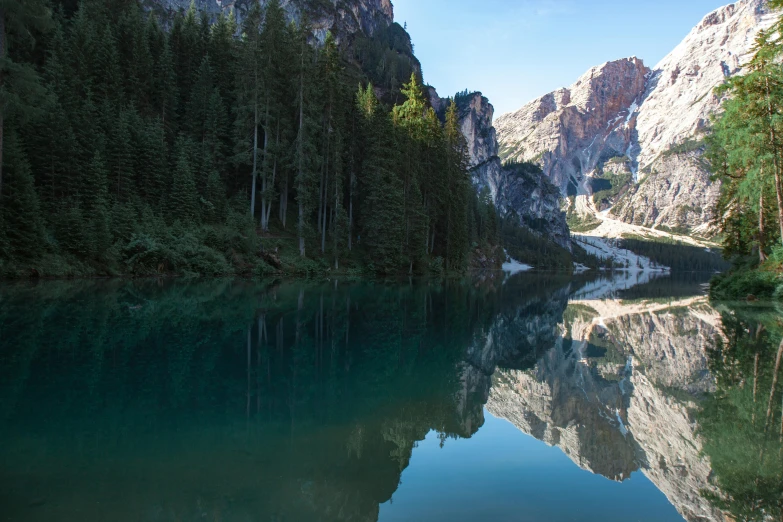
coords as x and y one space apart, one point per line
677 256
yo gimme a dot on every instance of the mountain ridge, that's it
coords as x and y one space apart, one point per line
649 122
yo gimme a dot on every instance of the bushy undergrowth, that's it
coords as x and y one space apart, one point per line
154 248
749 279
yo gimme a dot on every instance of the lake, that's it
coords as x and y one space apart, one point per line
537 397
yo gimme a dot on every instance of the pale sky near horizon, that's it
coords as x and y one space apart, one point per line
517 50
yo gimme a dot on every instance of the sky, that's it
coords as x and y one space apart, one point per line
517 50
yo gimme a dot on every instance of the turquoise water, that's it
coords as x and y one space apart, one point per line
537 397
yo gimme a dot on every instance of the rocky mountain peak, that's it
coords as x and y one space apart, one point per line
476 116
647 125
571 130
680 95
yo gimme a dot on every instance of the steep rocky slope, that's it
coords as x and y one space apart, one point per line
571 131
343 18
524 193
622 123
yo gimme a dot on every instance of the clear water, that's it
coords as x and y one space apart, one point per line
537 397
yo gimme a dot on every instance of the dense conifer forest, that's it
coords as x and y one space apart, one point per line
138 145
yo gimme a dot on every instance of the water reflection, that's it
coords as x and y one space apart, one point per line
741 424
230 400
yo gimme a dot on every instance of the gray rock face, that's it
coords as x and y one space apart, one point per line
523 187
342 18
524 193
644 116
677 193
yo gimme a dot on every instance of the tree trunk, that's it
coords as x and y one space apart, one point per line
774 385
775 160
255 162
781 422
272 182
755 386
284 202
350 213
324 192
323 218
264 168
320 199
334 219
762 255
301 162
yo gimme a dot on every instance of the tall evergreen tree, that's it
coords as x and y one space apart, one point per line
249 97
24 228
20 89
306 157
183 198
96 203
458 191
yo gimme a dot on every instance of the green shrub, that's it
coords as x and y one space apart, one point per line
741 283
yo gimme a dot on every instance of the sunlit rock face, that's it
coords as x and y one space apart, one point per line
570 131
614 393
343 18
528 195
652 120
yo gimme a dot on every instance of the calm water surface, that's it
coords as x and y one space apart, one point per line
530 398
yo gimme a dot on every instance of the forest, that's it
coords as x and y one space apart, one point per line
745 151
138 145
677 256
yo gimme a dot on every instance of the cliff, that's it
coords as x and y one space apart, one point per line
516 191
571 131
649 122
343 18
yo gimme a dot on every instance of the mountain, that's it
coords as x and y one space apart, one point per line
523 193
343 19
633 136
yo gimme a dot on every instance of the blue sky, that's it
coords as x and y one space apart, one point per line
517 50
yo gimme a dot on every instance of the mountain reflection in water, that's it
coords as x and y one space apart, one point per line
237 401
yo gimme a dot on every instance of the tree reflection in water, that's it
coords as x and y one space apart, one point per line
231 400
741 424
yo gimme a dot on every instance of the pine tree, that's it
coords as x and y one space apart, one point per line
166 101
248 96
410 116
215 198
120 153
275 57
22 212
745 147
222 50
458 193
140 81
96 204
20 89
183 199
383 230
306 157
152 162
107 74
